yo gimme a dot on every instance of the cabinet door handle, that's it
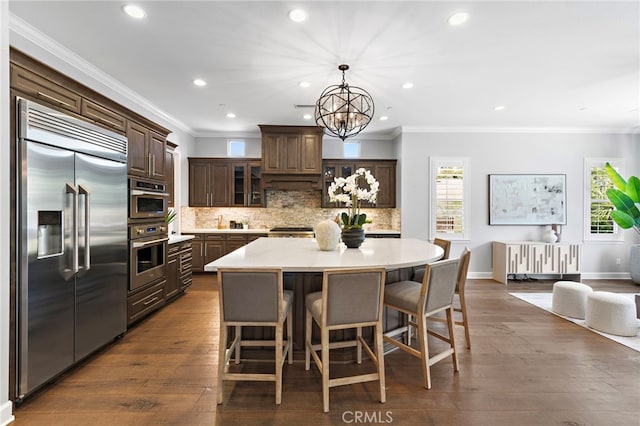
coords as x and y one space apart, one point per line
149 168
148 302
107 122
153 163
51 98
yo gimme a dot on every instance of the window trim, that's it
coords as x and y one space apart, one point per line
590 163
434 164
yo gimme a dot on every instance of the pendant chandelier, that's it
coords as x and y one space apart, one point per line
342 110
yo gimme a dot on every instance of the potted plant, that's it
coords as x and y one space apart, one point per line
348 191
625 197
171 215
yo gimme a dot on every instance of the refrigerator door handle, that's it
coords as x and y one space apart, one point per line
87 241
70 189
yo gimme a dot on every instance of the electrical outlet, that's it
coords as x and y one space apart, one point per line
617 261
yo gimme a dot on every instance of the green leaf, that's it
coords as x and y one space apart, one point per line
345 219
621 201
623 220
617 180
362 218
633 189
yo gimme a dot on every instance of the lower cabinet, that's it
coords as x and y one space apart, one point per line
208 247
145 301
178 268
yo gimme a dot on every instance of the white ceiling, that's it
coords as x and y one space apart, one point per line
553 65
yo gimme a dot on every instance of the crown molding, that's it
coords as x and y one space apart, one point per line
481 129
88 70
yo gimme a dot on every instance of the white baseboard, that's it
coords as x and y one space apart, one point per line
5 413
584 275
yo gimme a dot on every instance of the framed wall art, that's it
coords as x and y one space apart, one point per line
520 199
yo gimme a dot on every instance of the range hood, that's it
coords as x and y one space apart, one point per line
292 182
291 157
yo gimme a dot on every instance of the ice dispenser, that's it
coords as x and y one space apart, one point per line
49 233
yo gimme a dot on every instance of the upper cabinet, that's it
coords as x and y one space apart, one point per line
225 182
43 89
208 183
246 188
36 81
383 170
147 150
291 149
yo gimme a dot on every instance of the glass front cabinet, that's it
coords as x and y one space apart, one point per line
246 191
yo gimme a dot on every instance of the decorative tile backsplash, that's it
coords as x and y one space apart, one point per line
284 208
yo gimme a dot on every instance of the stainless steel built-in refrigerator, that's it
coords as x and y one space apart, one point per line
72 242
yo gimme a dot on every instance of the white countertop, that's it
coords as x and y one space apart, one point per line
226 231
303 255
265 231
173 239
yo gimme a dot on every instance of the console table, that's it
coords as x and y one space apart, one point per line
534 257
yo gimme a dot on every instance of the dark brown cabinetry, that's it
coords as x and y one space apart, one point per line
43 89
224 182
146 152
104 116
208 247
178 268
291 149
246 188
145 301
208 183
383 170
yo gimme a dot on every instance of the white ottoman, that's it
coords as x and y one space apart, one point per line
611 313
570 298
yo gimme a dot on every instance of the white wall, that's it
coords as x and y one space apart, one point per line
5 207
491 153
331 147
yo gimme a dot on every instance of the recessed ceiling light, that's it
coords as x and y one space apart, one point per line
458 18
304 84
407 85
298 15
134 11
384 118
307 116
499 108
231 115
199 82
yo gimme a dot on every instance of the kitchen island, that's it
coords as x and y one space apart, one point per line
303 263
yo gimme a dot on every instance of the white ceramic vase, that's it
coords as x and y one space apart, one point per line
549 236
327 235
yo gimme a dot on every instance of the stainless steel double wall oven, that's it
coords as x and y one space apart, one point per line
148 232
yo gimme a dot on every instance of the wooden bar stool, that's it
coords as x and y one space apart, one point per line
421 301
350 298
254 297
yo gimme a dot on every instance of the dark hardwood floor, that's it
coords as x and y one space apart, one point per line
526 367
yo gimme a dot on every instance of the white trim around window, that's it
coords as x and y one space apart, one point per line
595 181
449 198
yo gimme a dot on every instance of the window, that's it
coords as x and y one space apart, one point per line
450 198
598 224
235 148
351 149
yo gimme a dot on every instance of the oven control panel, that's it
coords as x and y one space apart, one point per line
147 230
